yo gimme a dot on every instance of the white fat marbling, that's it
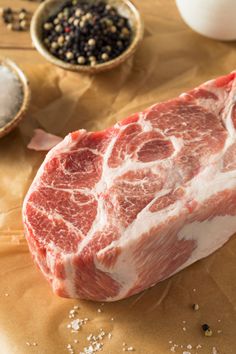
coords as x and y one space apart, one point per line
209 236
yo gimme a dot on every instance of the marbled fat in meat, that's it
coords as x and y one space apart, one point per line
114 212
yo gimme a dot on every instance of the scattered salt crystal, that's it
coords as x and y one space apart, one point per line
170 341
112 319
34 344
15 239
183 321
186 353
6 294
11 94
174 346
76 341
198 346
219 320
129 349
89 337
194 290
89 350
189 346
98 346
99 310
109 335
214 351
219 331
184 329
75 325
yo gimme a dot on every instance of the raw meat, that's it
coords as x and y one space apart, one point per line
111 213
42 141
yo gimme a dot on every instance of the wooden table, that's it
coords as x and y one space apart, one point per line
177 59
18 45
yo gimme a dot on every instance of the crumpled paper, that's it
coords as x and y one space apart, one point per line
170 60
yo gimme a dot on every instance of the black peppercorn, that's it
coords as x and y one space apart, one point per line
207 330
7 10
87 33
7 15
8 18
119 44
205 327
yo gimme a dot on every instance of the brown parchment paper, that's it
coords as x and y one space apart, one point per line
170 60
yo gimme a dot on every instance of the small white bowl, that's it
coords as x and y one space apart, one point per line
212 18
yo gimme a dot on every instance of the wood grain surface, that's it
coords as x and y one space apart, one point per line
13 39
172 59
18 45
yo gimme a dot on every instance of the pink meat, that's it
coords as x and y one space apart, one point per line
42 141
114 212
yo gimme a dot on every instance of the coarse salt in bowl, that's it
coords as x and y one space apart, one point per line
14 95
11 95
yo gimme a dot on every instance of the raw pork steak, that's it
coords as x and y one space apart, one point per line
111 213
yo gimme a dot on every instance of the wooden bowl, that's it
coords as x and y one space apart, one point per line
25 100
50 7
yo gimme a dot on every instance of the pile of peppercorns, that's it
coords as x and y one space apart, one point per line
87 33
16 20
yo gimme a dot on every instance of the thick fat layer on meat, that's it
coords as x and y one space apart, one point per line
111 213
